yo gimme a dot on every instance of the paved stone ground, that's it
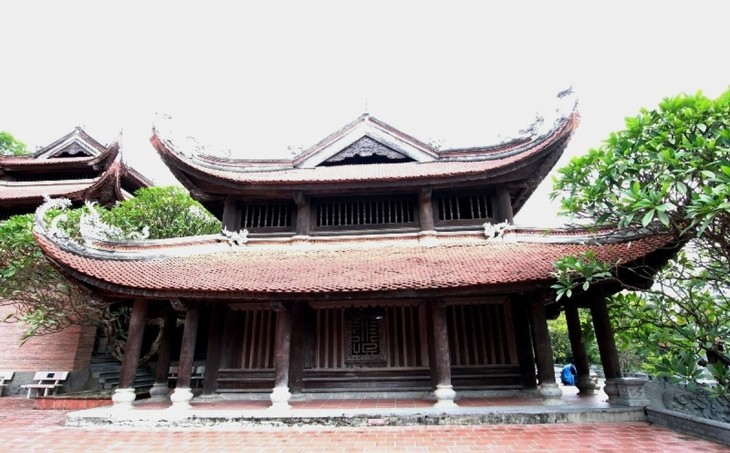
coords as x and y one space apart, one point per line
26 430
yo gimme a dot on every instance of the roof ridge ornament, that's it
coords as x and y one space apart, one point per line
495 231
236 238
93 228
54 230
549 119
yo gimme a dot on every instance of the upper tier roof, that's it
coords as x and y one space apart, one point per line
404 162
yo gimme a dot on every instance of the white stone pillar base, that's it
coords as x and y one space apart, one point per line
551 395
181 398
280 397
123 398
160 391
631 392
586 386
445 396
611 389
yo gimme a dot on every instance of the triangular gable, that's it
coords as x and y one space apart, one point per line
361 138
76 144
365 150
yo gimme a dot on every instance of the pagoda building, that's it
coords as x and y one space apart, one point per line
371 263
79 168
76 167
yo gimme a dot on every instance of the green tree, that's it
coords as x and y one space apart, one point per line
9 145
668 172
560 341
44 299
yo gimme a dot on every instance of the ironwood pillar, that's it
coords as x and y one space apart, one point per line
425 209
523 337
231 216
504 206
280 395
183 394
124 394
161 388
549 389
585 384
298 350
441 366
215 346
606 345
302 214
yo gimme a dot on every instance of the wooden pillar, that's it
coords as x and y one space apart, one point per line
280 395
504 206
160 388
298 350
523 337
231 216
549 390
124 395
182 395
303 208
606 345
215 347
425 209
441 364
585 384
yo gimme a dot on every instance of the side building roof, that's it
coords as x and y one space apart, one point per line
75 167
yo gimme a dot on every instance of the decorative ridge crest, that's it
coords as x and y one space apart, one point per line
586 236
95 233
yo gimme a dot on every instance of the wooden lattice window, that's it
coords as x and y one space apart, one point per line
466 208
363 213
365 336
274 215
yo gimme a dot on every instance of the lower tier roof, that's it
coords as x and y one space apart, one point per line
209 267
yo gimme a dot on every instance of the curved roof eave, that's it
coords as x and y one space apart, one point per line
235 175
340 269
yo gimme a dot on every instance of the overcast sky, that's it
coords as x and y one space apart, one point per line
257 78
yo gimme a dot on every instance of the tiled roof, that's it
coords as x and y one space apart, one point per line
22 191
486 162
107 169
21 163
210 268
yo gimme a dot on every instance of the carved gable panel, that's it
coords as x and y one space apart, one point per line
73 149
366 150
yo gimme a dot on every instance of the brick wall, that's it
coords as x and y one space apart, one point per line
68 350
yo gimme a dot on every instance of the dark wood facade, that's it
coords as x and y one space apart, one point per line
371 346
416 295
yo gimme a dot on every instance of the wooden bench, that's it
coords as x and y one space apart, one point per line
196 377
5 376
48 381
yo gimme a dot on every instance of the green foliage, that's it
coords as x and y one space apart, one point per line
9 145
667 172
669 165
574 271
560 341
16 242
45 300
168 212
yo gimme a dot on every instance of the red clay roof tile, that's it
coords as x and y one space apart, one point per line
222 271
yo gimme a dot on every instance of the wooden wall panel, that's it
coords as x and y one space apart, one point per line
250 338
402 339
481 335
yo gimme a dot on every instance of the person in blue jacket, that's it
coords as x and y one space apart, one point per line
567 376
